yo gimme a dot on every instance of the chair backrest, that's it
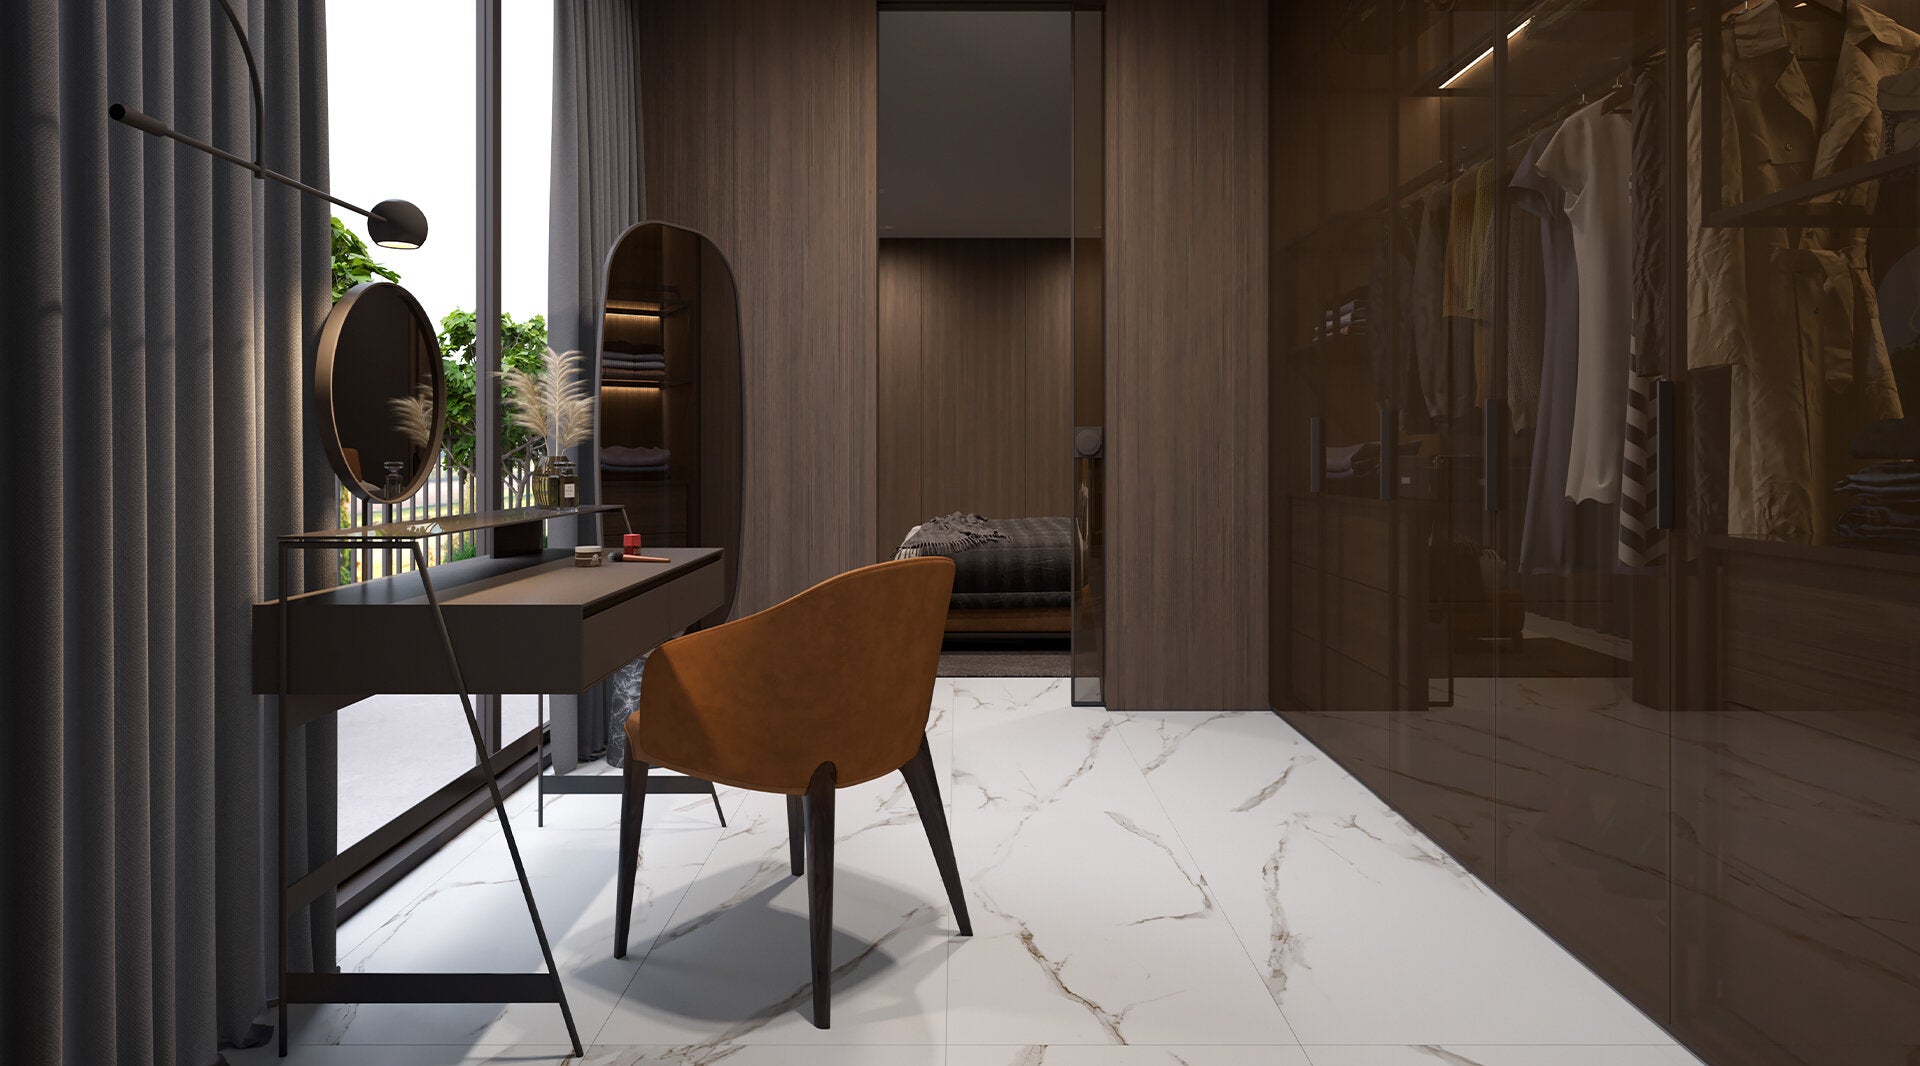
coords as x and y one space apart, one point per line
840 673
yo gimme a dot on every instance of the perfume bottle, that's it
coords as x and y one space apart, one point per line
395 483
569 495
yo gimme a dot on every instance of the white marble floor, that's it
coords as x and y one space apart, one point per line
1145 888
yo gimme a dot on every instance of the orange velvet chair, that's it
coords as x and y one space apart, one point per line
826 690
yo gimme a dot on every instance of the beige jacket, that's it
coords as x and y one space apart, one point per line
1793 309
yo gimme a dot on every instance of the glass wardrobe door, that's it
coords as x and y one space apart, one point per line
1338 368
1578 560
1442 730
1796 758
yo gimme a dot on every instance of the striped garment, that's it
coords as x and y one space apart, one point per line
1642 543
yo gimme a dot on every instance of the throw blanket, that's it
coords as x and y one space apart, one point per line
948 534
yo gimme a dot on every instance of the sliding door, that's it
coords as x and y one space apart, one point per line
1796 761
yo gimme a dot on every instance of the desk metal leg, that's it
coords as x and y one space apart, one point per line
540 759
280 784
493 788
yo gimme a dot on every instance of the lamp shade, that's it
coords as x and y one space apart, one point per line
397 224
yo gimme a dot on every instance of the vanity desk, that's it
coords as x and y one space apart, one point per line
523 620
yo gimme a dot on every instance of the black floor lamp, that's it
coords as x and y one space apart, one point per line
391 223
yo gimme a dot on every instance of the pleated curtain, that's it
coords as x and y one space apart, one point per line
597 192
157 324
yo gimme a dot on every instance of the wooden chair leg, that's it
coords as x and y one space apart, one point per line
933 814
797 834
820 887
633 803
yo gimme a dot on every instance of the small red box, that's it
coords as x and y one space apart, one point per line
630 542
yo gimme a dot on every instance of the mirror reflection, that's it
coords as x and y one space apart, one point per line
669 385
380 392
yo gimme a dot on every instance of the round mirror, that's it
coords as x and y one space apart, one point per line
380 392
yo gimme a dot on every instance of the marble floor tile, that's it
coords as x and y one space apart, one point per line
1197 889
732 967
1366 931
769 1055
407 1055
475 919
1504 1055
1132 1055
1092 923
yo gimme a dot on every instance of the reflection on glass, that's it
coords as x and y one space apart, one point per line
1089 621
669 388
378 376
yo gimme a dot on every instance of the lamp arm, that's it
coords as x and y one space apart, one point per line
123 114
253 77
139 121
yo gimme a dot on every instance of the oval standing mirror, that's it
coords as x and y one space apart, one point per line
668 380
380 392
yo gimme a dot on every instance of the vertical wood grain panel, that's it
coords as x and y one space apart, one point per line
1048 397
1187 354
901 422
759 129
974 365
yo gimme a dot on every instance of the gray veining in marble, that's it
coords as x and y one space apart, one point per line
1201 890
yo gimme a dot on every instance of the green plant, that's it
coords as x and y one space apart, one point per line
353 263
523 346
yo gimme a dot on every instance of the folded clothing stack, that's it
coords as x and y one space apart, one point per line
628 460
618 359
1887 514
1354 461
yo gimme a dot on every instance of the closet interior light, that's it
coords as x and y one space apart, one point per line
1486 55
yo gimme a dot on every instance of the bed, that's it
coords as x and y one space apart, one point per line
1019 582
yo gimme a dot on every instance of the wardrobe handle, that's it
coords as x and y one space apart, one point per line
1665 405
1316 455
1389 453
1495 460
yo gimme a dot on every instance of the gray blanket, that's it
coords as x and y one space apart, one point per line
1029 564
948 534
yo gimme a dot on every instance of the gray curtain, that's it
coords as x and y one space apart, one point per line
597 180
157 320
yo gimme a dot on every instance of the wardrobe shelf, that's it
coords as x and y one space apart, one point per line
645 308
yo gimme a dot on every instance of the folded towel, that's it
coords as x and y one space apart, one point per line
948 534
1897 481
1869 520
619 456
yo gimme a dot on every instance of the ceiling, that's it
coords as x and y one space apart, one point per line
975 119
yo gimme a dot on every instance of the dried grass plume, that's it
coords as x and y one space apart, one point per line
413 416
553 401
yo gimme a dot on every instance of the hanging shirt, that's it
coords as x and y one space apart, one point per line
1425 299
1547 528
1589 157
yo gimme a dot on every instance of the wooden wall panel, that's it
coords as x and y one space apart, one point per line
974 365
1187 269
759 130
